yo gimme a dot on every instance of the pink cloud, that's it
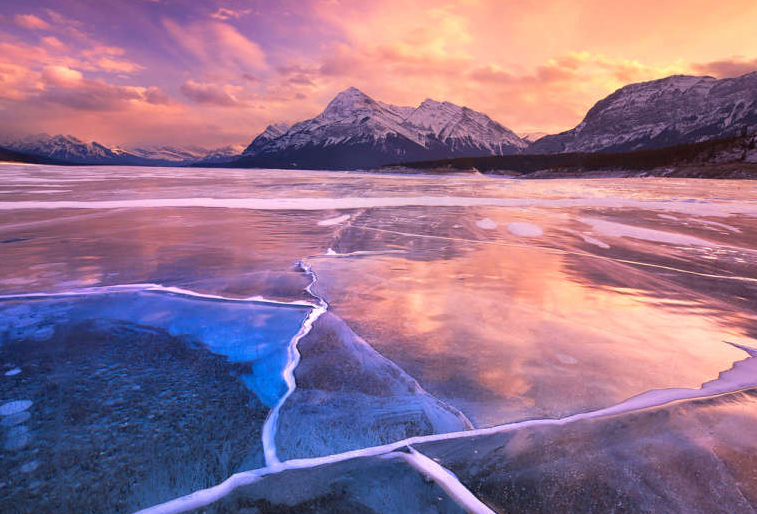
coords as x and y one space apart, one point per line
79 94
31 21
209 94
61 76
156 96
219 47
224 14
53 43
108 64
17 82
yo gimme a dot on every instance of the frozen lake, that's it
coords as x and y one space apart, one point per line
587 345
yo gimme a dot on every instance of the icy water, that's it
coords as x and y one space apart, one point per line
291 341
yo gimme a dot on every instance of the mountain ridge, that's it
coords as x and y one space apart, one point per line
673 110
356 131
68 149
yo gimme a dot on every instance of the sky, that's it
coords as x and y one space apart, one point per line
216 72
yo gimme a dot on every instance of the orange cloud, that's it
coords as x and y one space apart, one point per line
533 66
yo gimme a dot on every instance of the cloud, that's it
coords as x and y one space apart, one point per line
30 21
727 68
218 47
97 95
224 14
210 94
17 82
156 96
108 64
284 63
53 43
68 88
61 76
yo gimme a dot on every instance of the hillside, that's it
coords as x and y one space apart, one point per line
734 157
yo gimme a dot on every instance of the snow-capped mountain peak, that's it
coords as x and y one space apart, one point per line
270 133
64 147
348 103
73 150
384 133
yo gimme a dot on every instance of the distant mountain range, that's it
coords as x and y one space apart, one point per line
71 150
356 131
670 111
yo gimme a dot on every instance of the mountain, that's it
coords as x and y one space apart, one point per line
170 153
72 150
269 134
182 155
222 155
532 137
731 158
356 131
7 155
670 111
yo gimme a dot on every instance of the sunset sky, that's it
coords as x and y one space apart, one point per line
217 72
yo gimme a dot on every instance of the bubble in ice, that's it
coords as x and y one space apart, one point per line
15 406
29 466
566 359
487 224
522 228
15 419
17 438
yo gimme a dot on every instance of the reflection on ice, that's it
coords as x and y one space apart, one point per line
613 229
576 319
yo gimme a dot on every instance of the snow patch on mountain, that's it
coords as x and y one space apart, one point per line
674 110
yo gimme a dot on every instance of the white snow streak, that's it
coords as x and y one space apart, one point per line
272 421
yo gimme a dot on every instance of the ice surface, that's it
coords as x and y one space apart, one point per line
578 357
348 396
320 204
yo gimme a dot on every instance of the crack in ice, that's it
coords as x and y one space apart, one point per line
150 287
446 479
740 377
271 422
559 251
